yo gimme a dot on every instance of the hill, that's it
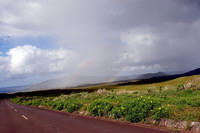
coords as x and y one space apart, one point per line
90 81
152 75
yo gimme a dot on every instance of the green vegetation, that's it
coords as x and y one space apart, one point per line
177 99
72 106
58 105
180 87
100 108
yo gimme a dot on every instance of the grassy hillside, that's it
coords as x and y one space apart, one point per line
177 99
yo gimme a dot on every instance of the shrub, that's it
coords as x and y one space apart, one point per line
160 89
53 105
118 111
72 106
137 110
36 102
160 112
149 90
100 108
17 99
195 102
29 102
136 114
49 103
58 105
140 108
180 88
186 93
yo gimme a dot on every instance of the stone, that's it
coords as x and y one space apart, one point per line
195 127
188 85
101 91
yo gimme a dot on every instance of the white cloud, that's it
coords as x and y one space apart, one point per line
30 59
143 68
3 64
167 48
139 38
139 45
20 18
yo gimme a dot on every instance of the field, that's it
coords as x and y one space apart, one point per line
177 99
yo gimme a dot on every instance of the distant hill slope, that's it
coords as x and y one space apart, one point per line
124 85
164 78
193 72
170 81
151 75
12 89
65 82
83 81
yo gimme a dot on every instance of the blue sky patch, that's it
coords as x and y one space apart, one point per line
42 42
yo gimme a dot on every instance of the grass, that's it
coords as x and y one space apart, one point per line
173 99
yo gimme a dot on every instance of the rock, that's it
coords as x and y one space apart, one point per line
162 122
84 95
181 125
195 127
173 124
149 120
126 91
81 112
101 91
167 123
188 85
40 106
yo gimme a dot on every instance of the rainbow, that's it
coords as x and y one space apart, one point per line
81 68
114 76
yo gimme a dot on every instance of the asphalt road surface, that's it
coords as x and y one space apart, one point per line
23 119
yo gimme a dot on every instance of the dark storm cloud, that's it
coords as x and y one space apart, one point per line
172 29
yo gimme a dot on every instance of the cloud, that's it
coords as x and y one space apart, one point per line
29 59
139 44
135 36
167 47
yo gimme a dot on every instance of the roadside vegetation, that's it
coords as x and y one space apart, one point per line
177 99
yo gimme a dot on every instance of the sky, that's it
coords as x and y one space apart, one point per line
49 39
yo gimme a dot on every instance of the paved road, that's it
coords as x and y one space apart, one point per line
23 119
